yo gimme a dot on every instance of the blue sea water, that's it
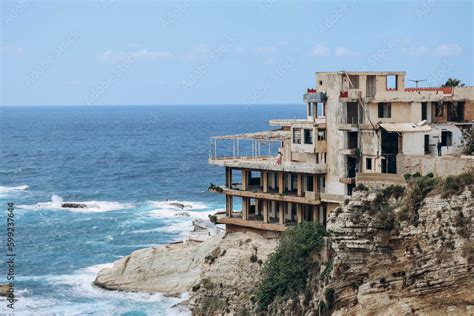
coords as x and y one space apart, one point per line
127 164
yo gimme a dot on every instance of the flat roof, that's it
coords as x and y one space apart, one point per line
265 135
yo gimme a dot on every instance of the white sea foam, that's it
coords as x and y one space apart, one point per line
91 206
80 284
6 190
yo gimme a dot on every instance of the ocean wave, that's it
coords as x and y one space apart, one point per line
90 206
181 209
5 190
80 284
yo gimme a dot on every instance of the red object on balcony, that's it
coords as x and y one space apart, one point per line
344 94
311 90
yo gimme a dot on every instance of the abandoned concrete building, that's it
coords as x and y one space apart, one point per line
360 128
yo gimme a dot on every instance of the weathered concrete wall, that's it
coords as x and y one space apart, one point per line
413 143
402 112
439 166
469 111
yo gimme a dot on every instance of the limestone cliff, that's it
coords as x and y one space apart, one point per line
390 258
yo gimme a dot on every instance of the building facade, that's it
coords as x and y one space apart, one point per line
360 128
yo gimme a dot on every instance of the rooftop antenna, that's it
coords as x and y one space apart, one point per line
416 82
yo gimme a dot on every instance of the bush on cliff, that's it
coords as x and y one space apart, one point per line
287 269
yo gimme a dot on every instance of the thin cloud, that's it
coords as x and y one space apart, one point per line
10 51
320 51
266 50
198 52
138 55
443 50
344 51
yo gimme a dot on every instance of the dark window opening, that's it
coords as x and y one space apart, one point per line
308 136
320 82
254 177
352 113
424 111
371 86
368 163
351 167
439 109
353 141
296 136
446 138
456 111
389 152
309 183
353 82
427 144
385 110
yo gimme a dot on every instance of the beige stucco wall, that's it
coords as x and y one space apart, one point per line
439 166
402 112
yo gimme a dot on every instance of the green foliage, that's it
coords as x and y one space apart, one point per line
454 185
287 269
395 191
196 287
453 82
419 188
213 219
361 187
329 296
253 258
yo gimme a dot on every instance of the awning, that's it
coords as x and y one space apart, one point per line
404 127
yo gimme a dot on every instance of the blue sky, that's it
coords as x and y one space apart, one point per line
228 52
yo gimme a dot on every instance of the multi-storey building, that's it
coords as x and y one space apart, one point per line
360 128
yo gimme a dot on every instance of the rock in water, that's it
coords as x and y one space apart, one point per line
178 205
4 289
73 205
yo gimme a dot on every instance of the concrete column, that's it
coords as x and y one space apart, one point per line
265 211
229 205
315 183
245 208
299 212
265 181
299 185
245 179
256 206
281 183
228 177
315 211
281 213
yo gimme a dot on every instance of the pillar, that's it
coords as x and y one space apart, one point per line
257 202
245 208
299 185
299 212
228 177
229 205
265 210
281 183
315 183
245 179
315 211
265 181
281 213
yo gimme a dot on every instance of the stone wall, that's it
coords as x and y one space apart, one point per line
439 166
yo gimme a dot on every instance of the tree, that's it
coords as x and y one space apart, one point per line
453 82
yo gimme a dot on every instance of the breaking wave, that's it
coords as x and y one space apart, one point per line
6 190
85 207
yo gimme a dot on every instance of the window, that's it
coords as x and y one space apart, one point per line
392 82
439 109
353 82
321 134
308 136
296 136
446 138
320 82
385 110
368 163
320 110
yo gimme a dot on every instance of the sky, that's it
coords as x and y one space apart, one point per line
112 52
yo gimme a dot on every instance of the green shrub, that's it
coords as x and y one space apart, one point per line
287 269
213 219
329 296
253 258
454 185
196 287
395 191
361 187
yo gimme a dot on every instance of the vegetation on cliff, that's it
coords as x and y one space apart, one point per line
287 270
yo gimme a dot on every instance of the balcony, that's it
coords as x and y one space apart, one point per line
256 192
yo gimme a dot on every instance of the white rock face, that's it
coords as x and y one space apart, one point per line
169 269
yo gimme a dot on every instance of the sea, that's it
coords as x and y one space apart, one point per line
128 165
